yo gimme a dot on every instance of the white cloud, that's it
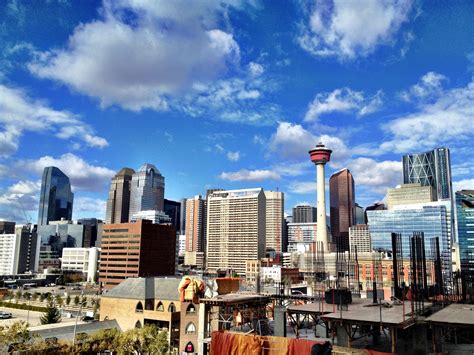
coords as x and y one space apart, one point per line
20 113
449 119
20 200
378 176
466 184
343 100
233 156
149 51
302 187
430 86
250 175
350 29
256 69
89 207
83 175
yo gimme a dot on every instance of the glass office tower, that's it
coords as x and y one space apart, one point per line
431 168
431 218
56 198
147 190
465 222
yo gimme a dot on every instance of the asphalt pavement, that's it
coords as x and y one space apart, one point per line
33 318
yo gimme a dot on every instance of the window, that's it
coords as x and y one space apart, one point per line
191 309
159 307
189 347
149 304
190 328
139 307
138 324
171 308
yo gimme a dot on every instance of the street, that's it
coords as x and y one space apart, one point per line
21 314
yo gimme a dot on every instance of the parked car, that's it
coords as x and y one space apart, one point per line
76 288
62 288
5 315
87 319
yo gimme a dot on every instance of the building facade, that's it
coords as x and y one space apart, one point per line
7 227
465 226
274 205
301 236
61 234
359 212
407 194
195 230
173 210
236 222
27 248
342 208
359 236
147 191
432 168
304 214
433 219
118 202
7 253
56 198
157 217
85 260
136 250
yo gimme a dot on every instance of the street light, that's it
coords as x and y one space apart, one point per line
77 315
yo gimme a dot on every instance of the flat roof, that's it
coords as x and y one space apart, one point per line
454 314
362 311
310 308
66 331
235 298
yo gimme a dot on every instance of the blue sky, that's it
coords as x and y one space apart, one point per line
229 94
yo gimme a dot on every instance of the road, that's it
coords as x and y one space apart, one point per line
21 314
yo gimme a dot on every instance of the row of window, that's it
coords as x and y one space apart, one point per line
160 307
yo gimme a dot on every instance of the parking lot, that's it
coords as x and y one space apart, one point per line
33 318
61 290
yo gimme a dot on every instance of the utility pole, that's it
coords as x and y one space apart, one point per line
77 316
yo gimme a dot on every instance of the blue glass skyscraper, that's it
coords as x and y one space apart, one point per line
56 198
465 223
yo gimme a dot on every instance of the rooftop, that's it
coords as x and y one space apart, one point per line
455 314
66 331
162 288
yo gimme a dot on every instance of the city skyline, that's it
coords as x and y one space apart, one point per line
243 113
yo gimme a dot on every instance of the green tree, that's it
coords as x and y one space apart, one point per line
51 314
13 337
49 297
18 295
76 300
144 340
42 297
59 300
35 296
68 300
84 301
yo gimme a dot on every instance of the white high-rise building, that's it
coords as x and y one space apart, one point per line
236 223
147 190
359 236
85 260
8 245
195 230
274 202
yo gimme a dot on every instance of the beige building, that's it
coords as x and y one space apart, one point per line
359 236
236 223
195 231
408 194
274 201
139 301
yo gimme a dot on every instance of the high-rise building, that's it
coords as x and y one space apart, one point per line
157 217
7 253
27 248
320 156
377 206
195 230
60 234
407 194
359 212
433 219
147 190
136 250
304 214
83 260
465 227
7 227
236 222
301 236
431 168
274 205
118 203
182 217
342 211
173 210
91 229
359 237
56 198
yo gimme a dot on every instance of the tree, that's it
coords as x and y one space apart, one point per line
76 300
51 314
42 297
35 296
84 301
13 337
18 295
68 300
59 300
144 340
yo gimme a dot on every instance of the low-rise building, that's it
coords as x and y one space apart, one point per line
85 260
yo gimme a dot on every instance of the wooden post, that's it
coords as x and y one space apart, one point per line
393 339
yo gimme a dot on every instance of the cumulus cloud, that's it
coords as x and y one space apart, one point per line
447 119
149 51
302 187
430 85
351 29
233 156
20 200
83 176
250 175
378 176
20 113
343 100
256 69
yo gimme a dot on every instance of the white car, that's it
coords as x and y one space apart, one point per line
5 315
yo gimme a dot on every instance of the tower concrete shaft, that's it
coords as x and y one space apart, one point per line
320 155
